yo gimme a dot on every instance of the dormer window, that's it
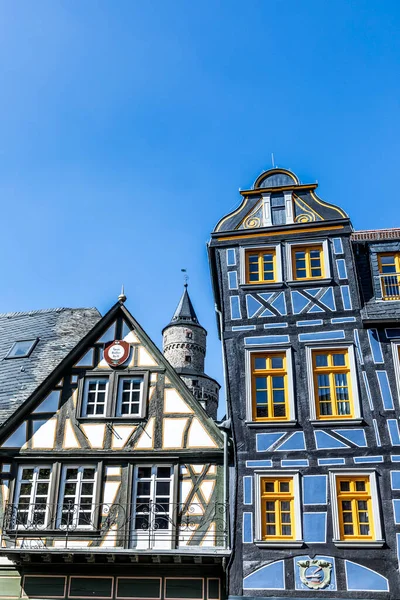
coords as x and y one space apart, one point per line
22 348
389 274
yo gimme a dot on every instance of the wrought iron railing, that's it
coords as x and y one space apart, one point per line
390 286
141 526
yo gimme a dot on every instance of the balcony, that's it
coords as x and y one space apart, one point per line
176 530
390 286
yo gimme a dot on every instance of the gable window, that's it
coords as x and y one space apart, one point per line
130 394
278 209
333 384
269 386
355 508
261 266
153 508
278 520
117 395
389 275
31 507
21 348
95 397
77 497
308 262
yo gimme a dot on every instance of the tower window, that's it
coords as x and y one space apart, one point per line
195 382
188 359
189 335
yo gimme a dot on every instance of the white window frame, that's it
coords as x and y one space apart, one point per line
378 541
356 418
278 253
296 543
396 362
85 391
291 420
32 502
152 537
75 517
327 266
118 405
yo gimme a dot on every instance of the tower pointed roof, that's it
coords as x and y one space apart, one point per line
184 312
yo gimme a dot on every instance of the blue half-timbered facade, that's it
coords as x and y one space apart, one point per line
308 312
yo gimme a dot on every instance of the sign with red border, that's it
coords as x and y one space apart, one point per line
116 352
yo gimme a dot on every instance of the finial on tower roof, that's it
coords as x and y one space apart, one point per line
122 296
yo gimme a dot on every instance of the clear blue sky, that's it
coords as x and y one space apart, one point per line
127 127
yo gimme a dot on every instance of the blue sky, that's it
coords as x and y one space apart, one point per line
126 129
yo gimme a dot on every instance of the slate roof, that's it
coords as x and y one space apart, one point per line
184 312
58 330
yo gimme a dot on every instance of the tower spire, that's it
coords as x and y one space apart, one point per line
184 312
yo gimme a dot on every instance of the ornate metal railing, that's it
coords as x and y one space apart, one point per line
390 286
141 526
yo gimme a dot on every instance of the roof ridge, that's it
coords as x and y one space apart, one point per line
44 310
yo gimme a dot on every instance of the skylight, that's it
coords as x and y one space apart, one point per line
21 348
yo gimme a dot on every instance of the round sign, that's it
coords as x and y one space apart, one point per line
116 352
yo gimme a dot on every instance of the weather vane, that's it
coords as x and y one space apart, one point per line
185 277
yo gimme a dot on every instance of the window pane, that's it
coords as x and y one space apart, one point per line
339 360
277 362
260 363
360 486
321 360
164 472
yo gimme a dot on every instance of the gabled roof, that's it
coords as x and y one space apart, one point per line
58 331
308 208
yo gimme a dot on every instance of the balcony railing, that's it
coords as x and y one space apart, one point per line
166 526
390 286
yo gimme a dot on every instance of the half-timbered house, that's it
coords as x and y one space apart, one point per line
308 311
113 475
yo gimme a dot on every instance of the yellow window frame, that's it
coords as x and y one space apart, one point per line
353 496
390 282
259 255
277 498
331 370
269 373
308 262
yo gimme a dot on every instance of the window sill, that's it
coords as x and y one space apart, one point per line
133 419
279 544
267 424
359 544
308 282
262 285
335 422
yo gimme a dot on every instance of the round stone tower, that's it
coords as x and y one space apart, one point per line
184 346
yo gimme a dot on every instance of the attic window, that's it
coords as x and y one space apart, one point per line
22 348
